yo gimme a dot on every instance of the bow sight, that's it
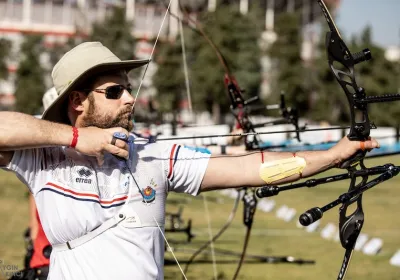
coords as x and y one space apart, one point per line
289 115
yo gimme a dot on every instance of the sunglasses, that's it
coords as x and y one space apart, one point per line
113 92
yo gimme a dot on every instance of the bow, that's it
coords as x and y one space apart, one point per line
349 225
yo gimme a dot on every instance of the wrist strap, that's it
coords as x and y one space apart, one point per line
75 137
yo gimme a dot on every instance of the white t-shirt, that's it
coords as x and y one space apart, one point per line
74 196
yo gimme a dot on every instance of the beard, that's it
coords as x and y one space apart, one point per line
101 120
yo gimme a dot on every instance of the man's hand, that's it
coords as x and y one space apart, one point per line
345 148
95 142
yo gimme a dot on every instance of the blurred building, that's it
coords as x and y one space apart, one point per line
58 20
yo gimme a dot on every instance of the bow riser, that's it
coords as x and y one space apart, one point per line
338 52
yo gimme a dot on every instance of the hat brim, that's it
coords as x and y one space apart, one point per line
57 111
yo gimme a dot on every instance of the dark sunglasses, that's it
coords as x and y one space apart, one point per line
113 92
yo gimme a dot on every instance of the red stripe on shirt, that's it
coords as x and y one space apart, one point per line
87 194
171 160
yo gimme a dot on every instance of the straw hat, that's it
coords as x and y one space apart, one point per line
76 66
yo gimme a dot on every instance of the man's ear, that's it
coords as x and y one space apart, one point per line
76 99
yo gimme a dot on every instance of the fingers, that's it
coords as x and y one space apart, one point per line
369 144
100 159
118 145
121 151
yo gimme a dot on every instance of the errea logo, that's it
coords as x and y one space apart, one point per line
84 172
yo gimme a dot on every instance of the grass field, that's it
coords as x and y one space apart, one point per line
270 236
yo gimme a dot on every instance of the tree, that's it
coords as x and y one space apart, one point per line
30 76
5 49
236 36
325 92
115 33
292 75
379 76
169 79
58 50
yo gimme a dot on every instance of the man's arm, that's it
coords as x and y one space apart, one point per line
243 170
33 221
21 131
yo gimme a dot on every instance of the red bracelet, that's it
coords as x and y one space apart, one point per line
75 137
262 156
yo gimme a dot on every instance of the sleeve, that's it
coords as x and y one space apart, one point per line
25 164
185 168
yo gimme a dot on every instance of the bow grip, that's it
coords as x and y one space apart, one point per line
354 159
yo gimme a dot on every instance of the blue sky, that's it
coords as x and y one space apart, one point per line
383 15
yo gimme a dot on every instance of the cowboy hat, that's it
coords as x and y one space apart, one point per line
75 67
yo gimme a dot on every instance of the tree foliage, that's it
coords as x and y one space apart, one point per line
58 50
236 36
169 79
291 74
115 33
5 49
377 76
30 85
311 86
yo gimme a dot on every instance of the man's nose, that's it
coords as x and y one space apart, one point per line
127 97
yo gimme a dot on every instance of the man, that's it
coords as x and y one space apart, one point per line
101 199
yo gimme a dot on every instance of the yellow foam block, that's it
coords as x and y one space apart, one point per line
282 168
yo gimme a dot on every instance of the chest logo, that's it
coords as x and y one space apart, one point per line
84 174
149 193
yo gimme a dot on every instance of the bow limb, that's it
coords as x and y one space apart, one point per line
249 209
217 235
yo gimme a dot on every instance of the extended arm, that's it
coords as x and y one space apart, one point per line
243 170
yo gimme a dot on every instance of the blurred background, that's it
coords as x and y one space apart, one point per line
276 51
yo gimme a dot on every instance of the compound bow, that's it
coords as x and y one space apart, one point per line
350 225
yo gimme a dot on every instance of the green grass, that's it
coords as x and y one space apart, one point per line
270 236
14 218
